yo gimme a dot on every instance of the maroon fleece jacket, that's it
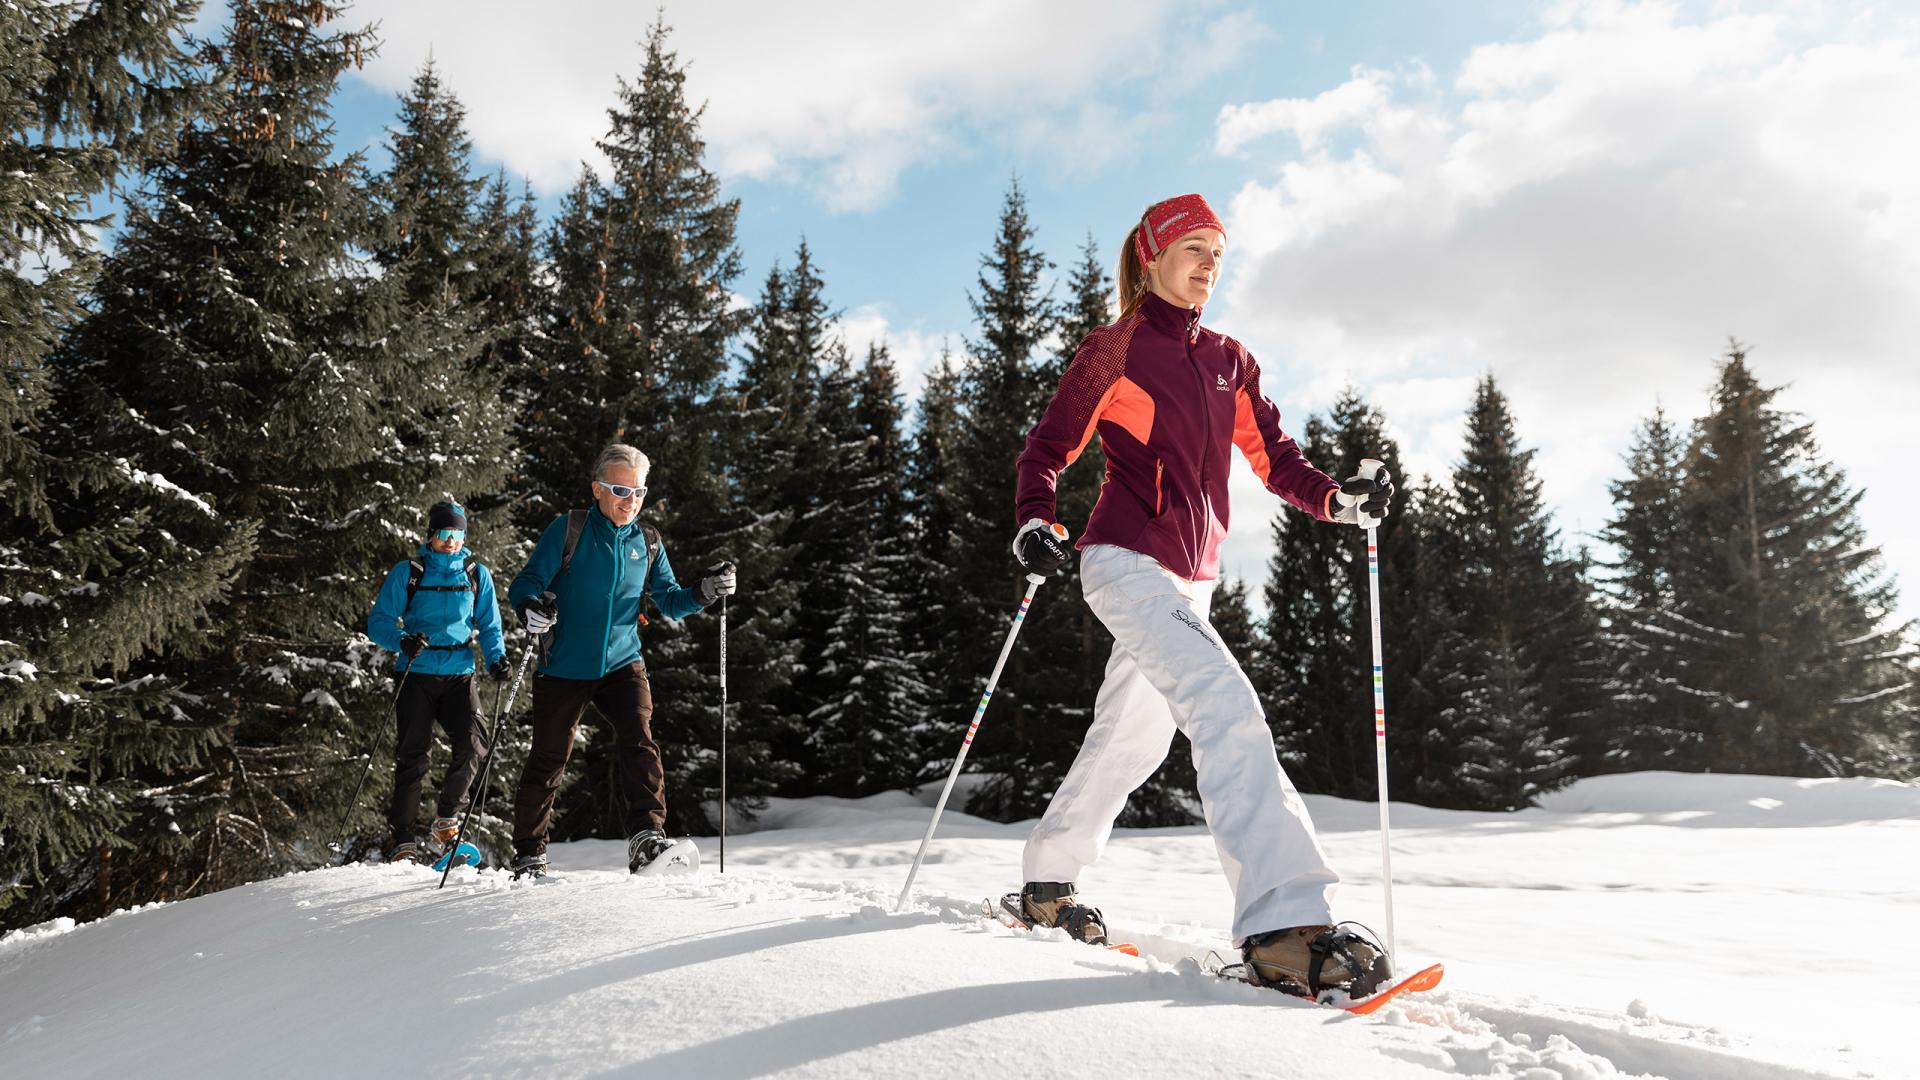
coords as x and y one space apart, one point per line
1168 397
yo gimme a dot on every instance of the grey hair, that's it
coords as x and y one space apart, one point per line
620 454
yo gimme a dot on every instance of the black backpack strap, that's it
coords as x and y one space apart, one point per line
652 537
415 571
576 524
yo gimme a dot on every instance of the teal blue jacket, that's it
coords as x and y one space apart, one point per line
599 596
447 616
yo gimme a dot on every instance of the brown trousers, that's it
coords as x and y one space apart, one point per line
624 697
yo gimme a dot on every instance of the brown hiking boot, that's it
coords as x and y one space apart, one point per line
1052 903
1310 960
443 830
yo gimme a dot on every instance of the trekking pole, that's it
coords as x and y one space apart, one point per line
1370 468
1034 582
354 802
486 767
723 734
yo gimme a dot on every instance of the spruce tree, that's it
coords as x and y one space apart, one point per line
504 285
1781 614
871 709
240 348
1646 722
634 349
91 94
1512 665
1316 653
1002 391
934 586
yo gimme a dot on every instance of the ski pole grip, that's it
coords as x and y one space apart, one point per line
1371 468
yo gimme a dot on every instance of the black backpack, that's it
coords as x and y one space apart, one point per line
417 570
577 524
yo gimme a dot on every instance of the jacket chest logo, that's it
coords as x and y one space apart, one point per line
1220 383
633 553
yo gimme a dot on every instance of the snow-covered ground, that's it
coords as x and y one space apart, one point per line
1719 927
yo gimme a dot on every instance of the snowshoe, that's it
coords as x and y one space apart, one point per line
528 866
408 852
464 855
650 852
1052 903
1315 962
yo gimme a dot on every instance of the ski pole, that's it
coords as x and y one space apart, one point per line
723 734
1033 583
486 767
1370 468
347 814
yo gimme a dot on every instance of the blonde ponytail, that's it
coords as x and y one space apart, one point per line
1132 279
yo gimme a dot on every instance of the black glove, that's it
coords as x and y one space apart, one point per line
1041 547
498 669
540 613
411 644
1364 500
720 581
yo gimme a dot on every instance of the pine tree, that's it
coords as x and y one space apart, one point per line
504 285
634 349
1314 657
1509 680
89 95
1002 391
1781 611
934 586
240 349
1646 725
872 711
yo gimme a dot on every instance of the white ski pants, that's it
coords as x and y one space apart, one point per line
1168 670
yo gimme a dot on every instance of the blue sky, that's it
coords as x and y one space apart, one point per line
1586 199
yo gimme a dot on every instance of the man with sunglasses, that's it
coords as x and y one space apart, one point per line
587 584
431 610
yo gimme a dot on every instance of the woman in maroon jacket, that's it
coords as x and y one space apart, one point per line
1168 398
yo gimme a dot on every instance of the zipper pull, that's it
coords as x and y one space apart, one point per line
1193 326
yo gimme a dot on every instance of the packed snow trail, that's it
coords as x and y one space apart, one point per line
794 963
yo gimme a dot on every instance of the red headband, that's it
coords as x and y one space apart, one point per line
1171 220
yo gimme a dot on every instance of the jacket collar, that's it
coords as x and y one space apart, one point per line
452 562
600 520
1183 323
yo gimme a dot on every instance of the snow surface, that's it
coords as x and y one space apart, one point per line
1716 927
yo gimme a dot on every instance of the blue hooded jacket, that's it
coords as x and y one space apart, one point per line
447 617
599 596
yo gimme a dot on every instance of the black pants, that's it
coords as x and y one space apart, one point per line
453 700
625 698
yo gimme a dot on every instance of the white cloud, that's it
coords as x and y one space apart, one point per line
914 351
1306 120
1589 214
840 97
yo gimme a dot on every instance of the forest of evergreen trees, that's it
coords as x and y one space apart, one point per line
223 427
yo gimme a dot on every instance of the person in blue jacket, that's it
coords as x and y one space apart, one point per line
431 610
592 600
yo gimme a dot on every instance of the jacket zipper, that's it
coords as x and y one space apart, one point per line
1206 413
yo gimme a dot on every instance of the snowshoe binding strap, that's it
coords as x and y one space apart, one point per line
1043 891
1081 922
1361 954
